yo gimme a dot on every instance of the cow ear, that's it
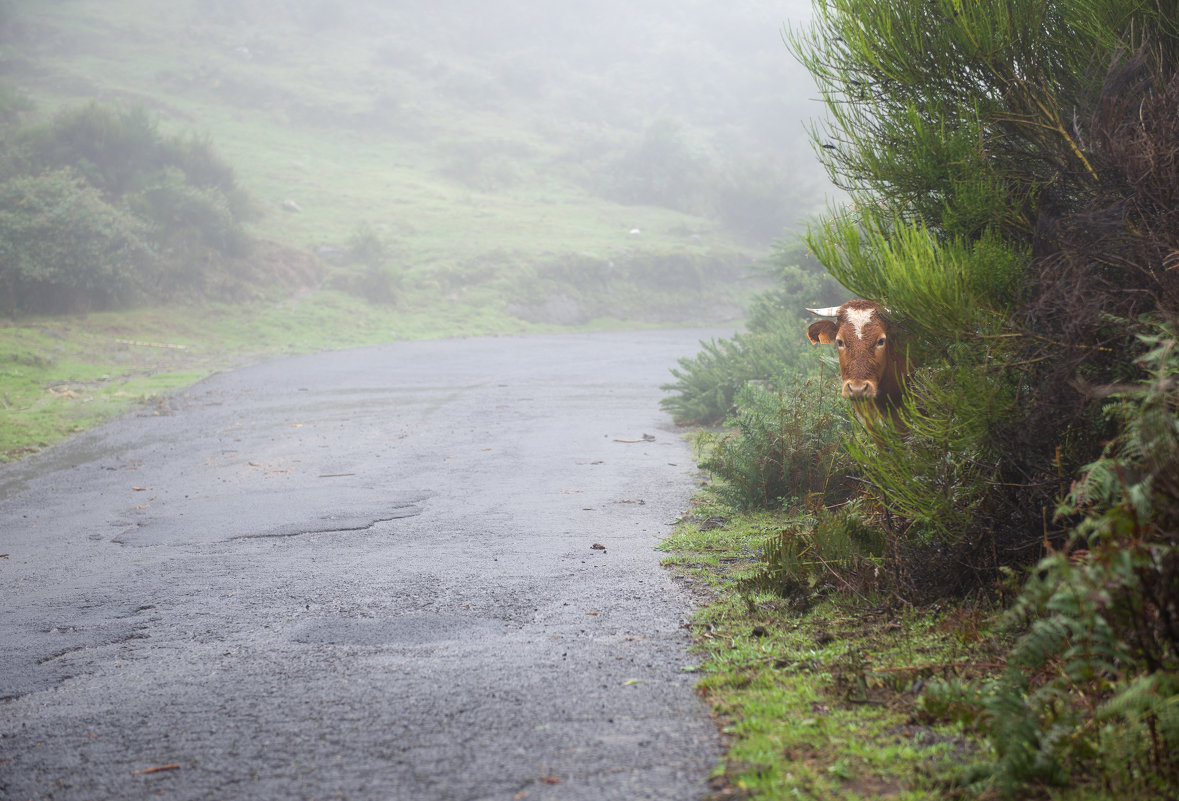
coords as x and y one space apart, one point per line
822 332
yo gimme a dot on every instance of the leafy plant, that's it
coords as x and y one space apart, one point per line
775 344
103 210
840 549
785 446
1004 160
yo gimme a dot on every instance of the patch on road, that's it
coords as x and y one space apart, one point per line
265 513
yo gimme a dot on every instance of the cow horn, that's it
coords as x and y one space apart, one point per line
830 311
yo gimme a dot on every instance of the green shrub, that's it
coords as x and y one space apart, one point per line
205 169
935 477
182 212
706 385
64 248
785 446
1011 193
369 269
114 150
775 345
103 209
838 549
13 101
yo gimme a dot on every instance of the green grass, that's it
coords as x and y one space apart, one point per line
824 704
62 375
450 180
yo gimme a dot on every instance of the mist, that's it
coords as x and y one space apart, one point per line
440 147
651 102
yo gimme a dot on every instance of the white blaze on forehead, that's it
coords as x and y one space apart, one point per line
860 318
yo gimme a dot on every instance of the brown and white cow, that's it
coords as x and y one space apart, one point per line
872 367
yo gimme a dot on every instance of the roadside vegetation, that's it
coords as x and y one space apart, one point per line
985 602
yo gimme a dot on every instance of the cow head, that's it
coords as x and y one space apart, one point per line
872 368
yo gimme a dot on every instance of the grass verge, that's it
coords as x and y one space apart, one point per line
821 704
825 702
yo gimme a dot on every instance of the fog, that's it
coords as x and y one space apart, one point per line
451 130
696 106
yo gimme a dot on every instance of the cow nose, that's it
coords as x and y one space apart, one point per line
859 390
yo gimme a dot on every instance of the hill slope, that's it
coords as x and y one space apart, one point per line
503 156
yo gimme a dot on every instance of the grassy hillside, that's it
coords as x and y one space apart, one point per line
485 145
515 167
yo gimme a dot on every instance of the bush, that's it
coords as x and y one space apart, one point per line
838 550
1092 686
707 384
13 101
104 210
183 212
775 344
64 248
1018 224
786 447
114 150
372 274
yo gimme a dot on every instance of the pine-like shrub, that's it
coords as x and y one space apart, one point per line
768 352
1013 172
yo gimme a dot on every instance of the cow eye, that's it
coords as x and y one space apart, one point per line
839 342
880 342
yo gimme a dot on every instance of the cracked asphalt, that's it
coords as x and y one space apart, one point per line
368 574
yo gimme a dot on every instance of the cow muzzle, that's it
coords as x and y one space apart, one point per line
859 390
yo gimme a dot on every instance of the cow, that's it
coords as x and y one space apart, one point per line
872 367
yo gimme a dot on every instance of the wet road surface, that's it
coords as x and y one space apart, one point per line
361 575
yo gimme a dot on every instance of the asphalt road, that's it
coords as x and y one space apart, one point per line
361 575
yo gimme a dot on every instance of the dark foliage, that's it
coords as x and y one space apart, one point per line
1092 681
1106 259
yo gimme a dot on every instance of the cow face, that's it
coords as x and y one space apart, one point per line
868 364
